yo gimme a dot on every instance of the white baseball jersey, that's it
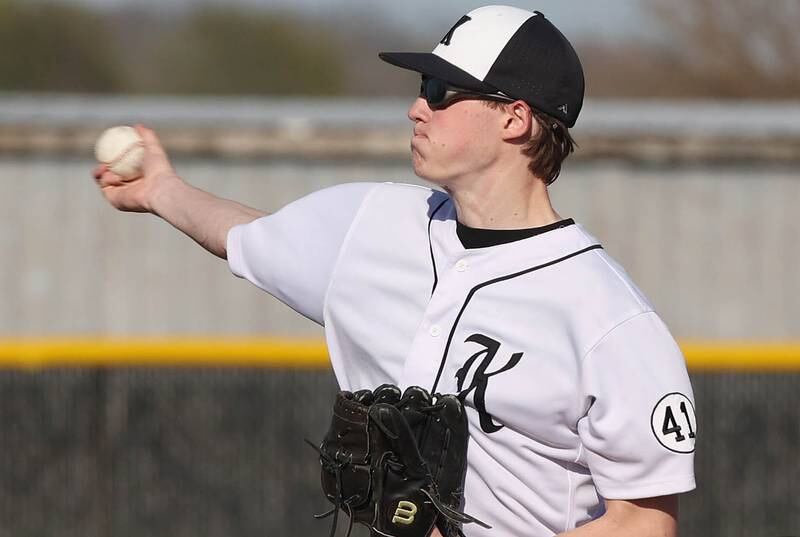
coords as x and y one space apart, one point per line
575 390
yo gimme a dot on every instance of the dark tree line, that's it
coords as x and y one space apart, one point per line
55 47
50 46
703 48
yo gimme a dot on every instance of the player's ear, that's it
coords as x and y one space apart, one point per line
518 121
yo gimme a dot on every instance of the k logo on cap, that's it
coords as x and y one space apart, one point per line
449 35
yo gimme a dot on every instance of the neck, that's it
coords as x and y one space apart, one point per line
503 202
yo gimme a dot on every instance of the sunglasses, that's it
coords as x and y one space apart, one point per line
440 94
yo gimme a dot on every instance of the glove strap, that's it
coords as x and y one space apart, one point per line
452 514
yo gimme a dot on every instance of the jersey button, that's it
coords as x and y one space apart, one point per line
435 330
461 265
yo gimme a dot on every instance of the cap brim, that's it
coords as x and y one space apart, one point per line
431 65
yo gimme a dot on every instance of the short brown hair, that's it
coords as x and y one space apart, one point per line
549 148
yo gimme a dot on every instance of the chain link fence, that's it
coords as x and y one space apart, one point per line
221 452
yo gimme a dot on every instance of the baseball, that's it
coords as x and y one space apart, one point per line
122 150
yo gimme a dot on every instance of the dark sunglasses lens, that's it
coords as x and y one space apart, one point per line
434 90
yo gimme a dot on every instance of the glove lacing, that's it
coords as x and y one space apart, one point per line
335 465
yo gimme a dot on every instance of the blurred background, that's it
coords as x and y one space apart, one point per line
146 391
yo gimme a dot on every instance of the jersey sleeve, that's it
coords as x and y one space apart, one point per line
291 254
639 431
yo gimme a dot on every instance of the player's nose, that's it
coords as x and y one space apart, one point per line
419 110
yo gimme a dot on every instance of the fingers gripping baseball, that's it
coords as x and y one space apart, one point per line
135 191
155 158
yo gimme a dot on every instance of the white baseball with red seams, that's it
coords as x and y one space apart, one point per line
122 150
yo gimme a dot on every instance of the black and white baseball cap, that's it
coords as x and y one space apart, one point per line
509 50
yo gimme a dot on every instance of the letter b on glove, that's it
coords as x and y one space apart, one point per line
405 512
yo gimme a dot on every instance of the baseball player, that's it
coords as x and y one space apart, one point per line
580 410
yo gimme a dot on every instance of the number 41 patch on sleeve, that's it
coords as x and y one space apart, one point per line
674 423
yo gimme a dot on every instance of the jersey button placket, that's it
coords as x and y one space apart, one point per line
421 368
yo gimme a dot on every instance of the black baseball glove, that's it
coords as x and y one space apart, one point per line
396 463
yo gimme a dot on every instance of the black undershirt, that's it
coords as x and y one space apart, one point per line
472 237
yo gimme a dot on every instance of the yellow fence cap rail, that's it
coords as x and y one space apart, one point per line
742 356
37 353
163 352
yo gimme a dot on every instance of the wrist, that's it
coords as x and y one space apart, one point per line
163 194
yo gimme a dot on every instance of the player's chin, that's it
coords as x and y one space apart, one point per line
421 169
417 161
425 168
429 176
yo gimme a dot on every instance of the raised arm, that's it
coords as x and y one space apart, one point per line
160 191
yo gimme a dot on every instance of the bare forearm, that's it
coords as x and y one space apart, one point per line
651 517
604 527
158 190
200 215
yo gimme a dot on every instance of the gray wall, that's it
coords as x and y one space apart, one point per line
715 247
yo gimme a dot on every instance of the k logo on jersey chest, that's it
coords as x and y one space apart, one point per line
485 358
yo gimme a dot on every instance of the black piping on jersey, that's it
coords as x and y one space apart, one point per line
430 245
490 282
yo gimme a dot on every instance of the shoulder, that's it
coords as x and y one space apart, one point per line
342 192
605 279
599 292
407 197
